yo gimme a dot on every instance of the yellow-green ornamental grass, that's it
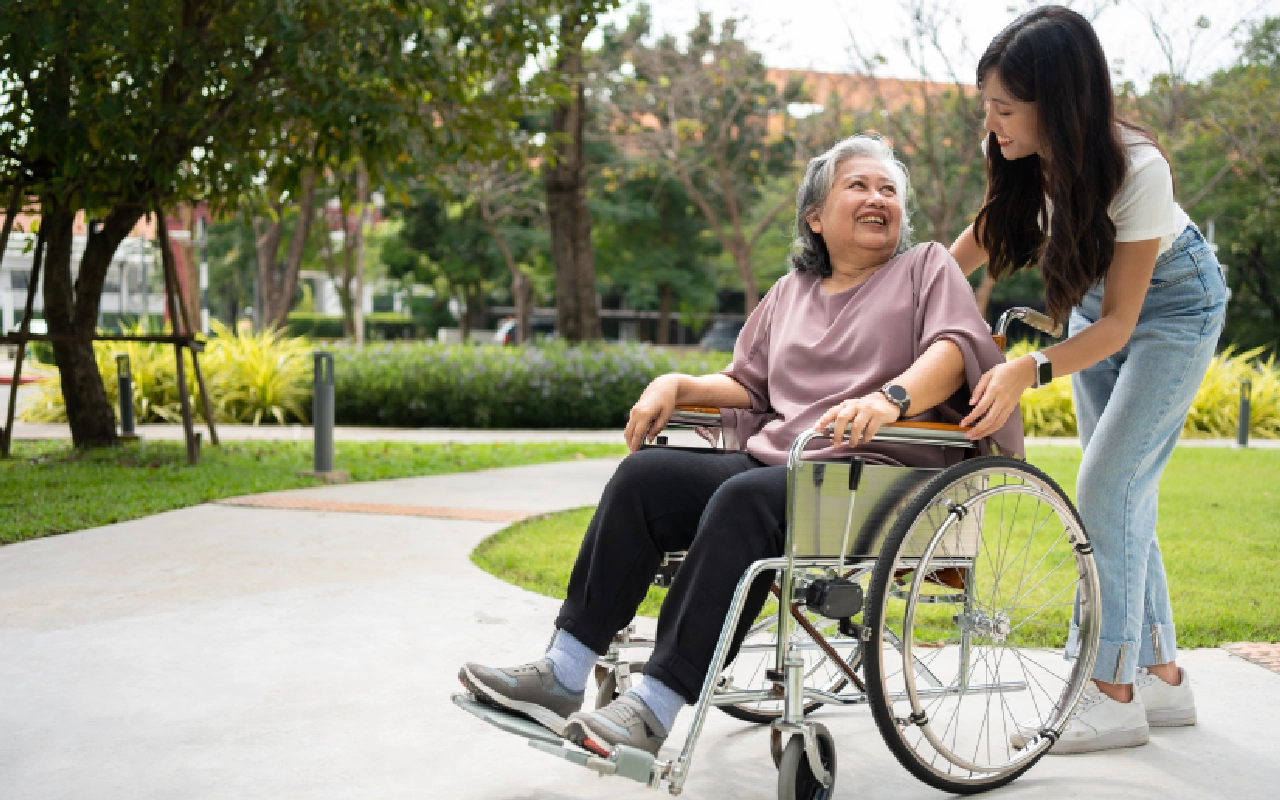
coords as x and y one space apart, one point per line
251 377
1215 413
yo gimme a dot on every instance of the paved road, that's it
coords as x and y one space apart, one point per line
230 652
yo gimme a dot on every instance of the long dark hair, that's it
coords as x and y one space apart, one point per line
1051 56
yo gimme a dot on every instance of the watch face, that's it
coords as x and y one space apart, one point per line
1045 372
896 393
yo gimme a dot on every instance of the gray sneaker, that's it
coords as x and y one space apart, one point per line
529 689
626 720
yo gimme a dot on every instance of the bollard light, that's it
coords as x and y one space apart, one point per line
322 413
124 375
1242 429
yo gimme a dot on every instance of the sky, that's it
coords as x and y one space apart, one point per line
817 34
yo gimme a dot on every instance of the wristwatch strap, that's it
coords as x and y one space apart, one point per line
1044 368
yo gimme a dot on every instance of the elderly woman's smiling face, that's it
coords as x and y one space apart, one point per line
862 216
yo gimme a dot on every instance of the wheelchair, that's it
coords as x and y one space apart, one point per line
944 599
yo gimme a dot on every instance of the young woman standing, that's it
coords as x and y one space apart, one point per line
1089 199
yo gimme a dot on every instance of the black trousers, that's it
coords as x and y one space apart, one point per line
726 509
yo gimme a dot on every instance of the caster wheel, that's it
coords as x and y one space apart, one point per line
796 780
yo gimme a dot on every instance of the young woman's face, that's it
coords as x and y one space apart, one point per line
1013 121
862 216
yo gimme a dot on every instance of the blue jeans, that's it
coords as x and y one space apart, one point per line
1130 409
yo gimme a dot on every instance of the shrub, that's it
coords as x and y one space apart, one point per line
1215 412
250 377
378 326
483 386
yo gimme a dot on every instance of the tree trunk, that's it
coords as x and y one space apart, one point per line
71 308
565 177
664 314
750 292
278 289
521 291
362 200
983 293
343 283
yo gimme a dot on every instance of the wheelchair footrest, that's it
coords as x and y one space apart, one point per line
505 720
625 762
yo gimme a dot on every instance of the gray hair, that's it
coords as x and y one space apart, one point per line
809 252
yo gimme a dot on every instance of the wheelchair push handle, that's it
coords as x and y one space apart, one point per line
1041 322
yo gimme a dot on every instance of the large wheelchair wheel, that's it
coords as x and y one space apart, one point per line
817 639
970 608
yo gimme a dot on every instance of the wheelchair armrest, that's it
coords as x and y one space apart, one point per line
939 433
697 416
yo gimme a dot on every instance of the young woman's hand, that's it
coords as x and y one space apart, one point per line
997 395
860 417
652 411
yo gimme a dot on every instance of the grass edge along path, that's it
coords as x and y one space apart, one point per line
48 488
1219 534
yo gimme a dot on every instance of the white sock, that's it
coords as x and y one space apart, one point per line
571 661
661 700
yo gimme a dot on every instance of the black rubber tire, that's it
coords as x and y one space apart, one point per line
796 780
881 583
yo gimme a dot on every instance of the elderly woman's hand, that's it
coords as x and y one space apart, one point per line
860 417
652 411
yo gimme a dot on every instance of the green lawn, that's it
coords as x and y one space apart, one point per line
48 488
1219 532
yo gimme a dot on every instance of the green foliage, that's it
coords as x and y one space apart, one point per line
1224 136
470 386
51 488
379 326
649 238
250 377
706 111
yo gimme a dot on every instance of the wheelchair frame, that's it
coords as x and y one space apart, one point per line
797 743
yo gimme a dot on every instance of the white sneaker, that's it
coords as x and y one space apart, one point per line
1167 706
1098 723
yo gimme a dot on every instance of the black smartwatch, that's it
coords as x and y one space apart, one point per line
898 396
1044 369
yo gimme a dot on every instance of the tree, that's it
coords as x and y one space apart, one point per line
710 115
934 121
449 245
503 195
565 177
116 109
655 247
1229 165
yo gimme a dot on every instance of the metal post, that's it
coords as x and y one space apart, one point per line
125 377
322 413
1242 430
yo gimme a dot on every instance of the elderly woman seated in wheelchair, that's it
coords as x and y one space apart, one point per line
861 334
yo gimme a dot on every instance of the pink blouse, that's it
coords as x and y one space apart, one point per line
803 351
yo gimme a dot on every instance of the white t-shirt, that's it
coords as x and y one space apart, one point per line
1144 207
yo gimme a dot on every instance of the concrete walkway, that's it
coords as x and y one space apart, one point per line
234 652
